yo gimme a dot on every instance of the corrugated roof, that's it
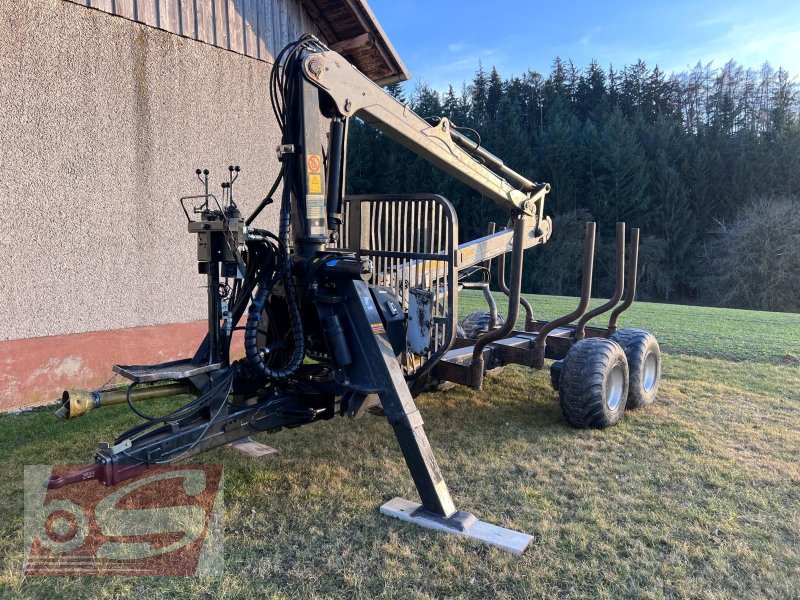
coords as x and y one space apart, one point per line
260 28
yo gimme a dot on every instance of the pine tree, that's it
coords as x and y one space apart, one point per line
395 90
673 155
480 93
591 101
558 152
622 197
494 94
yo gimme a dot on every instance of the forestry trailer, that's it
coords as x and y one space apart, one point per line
352 305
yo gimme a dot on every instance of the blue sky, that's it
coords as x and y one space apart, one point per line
441 41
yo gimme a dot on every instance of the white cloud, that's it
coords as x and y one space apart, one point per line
589 35
457 47
749 43
462 67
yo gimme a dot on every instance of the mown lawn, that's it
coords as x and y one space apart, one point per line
697 496
726 333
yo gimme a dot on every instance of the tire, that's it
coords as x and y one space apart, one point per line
477 323
644 364
593 390
437 385
555 374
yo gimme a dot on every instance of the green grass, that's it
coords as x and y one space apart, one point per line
697 496
727 333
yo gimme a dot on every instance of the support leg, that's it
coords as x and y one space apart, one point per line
374 369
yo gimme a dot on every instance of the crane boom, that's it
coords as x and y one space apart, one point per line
354 94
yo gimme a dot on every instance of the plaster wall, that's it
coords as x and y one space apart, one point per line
102 123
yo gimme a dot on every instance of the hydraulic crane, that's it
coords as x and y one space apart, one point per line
351 306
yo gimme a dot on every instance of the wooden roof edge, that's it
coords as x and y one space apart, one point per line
387 48
372 37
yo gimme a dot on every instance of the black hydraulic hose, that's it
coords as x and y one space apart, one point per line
181 414
224 383
252 352
283 81
268 198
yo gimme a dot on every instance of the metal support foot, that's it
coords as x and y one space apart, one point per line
460 523
249 447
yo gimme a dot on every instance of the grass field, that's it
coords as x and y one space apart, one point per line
697 496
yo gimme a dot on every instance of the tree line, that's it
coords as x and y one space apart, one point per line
689 158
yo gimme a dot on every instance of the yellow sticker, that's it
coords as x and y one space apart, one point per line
378 328
314 184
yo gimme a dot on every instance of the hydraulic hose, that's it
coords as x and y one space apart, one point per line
252 352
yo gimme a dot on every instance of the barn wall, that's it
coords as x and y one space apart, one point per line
255 28
102 123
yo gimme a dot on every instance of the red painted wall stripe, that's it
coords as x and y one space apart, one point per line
36 371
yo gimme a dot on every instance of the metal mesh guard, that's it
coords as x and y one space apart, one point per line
412 241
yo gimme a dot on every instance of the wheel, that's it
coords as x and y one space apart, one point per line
477 323
555 374
593 389
644 364
437 385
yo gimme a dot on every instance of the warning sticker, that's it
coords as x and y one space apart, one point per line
314 184
378 328
315 207
314 163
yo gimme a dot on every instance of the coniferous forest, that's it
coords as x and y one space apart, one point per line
706 162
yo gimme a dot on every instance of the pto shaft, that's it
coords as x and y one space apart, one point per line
75 403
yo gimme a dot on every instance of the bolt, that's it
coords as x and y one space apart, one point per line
347 105
315 67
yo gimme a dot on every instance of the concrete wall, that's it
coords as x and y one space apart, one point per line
102 123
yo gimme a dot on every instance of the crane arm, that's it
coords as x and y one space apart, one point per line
435 140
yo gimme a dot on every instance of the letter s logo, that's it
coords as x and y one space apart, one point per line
190 520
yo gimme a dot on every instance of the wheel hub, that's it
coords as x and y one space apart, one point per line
615 387
649 372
